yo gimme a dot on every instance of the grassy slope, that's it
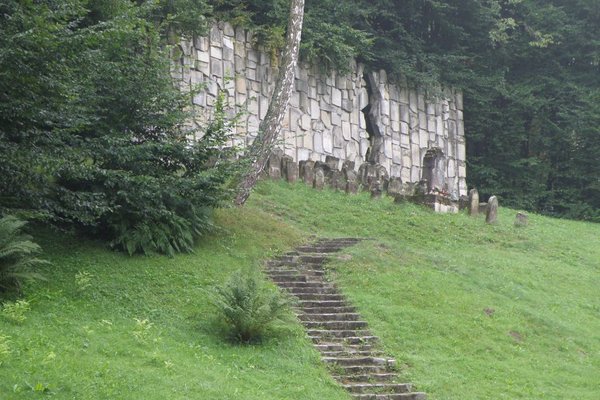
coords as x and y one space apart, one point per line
423 285
425 282
81 345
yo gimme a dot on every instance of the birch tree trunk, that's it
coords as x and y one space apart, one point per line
269 128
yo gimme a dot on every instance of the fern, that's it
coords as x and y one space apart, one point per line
249 307
17 255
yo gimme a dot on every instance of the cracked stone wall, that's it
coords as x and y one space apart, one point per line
325 115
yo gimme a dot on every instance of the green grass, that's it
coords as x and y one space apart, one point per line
470 311
82 344
424 283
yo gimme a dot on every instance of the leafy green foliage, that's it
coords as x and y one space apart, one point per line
17 255
15 311
249 307
93 131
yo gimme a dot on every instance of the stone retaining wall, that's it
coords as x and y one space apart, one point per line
359 117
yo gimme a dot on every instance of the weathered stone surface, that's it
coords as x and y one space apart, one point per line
394 187
319 180
291 171
396 129
332 162
376 189
521 220
473 202
351 182
491 212
434 170
307 171
274 164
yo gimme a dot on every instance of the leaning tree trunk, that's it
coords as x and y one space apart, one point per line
268 130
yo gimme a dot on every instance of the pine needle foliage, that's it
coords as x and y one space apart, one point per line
249 307
17 255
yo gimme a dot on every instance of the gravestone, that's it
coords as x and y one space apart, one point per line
332 162
291 171
491 213
394 187
319 181
473 202
307 171
274 165
351 182
376 189
521 220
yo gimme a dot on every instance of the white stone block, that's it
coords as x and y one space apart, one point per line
327 142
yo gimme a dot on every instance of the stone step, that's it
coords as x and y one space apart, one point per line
309 284
289 278
360 369
318 296
338 333
315 290
392 396
317 304
341 316
293 272
325 346
352 353
360 361
380 377
335 325
379 388
350 340
327 309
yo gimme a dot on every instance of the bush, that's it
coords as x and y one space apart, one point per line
99 139
249 307
17 255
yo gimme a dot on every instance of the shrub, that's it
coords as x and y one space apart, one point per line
249 307
17 255
15 312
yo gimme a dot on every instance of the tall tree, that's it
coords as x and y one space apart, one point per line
270 126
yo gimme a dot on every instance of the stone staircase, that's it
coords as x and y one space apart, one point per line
336 329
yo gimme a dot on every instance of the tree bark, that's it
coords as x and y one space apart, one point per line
269 128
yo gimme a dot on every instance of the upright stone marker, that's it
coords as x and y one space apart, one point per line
307 171
491 213
351 182
291 171
473 202
319 181
376 189
521 220
274 166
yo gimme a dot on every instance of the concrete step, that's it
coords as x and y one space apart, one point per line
294 272
379 388
360 369
332 248
329 317
315 304
374 378
289 278
329 346
319 296
338 333
328 310
352 353
309 284
351 340
335 325
315 290
360 361
394 396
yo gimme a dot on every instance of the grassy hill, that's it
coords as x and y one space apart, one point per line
470 311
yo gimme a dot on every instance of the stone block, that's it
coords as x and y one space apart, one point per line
291 171
491 212
473 202
327 142
307 171
319 179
